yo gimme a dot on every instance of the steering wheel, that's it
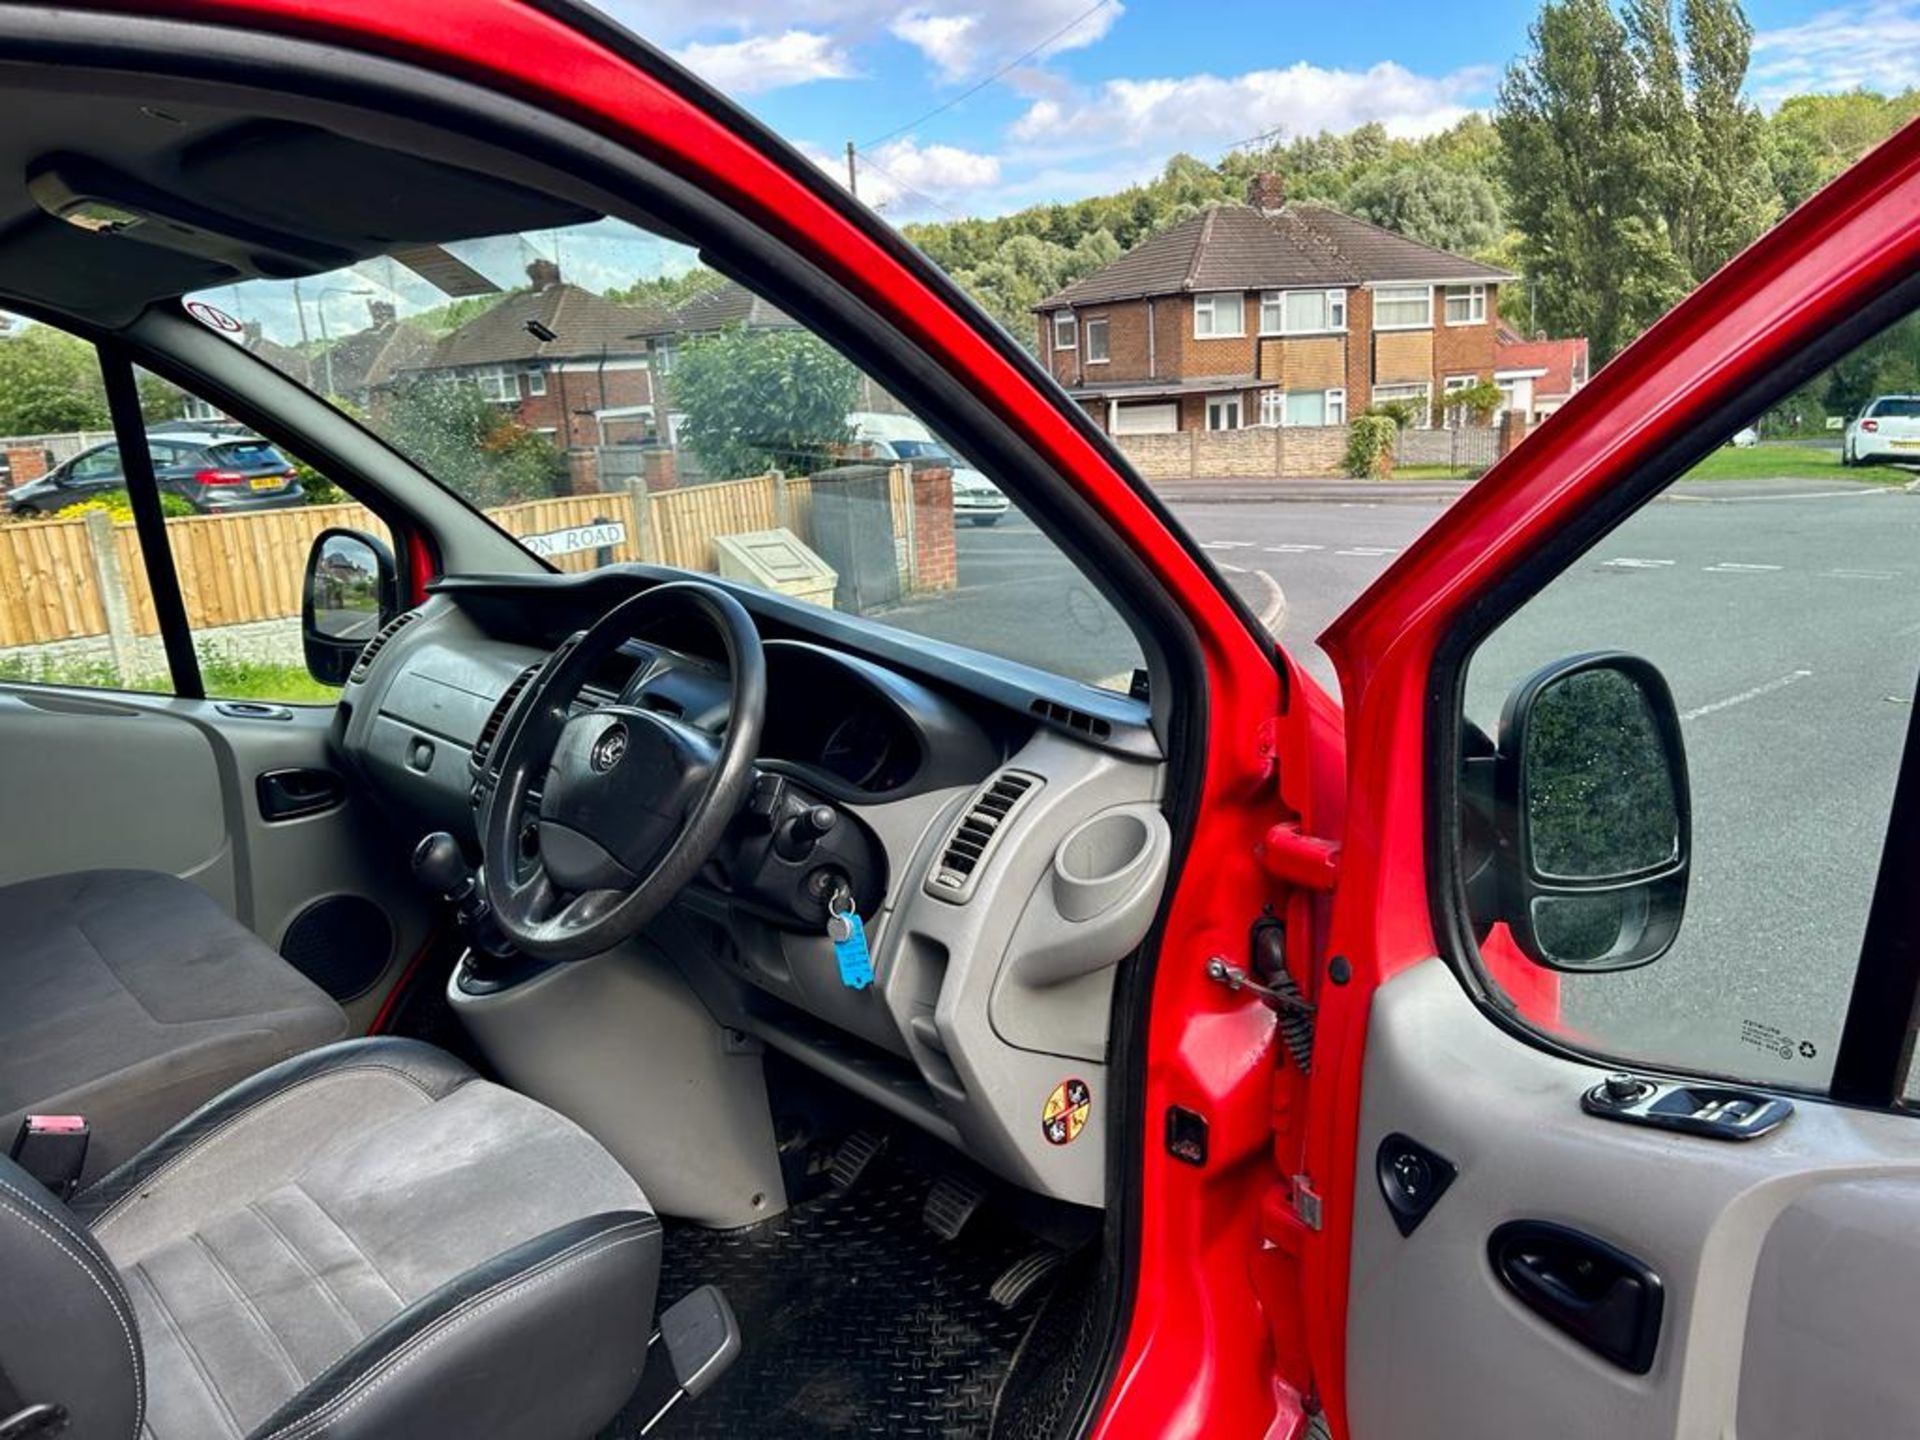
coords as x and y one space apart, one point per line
632 801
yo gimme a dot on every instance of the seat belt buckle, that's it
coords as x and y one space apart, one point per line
53 1149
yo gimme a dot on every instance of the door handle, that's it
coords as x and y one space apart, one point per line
290 794
1601 1296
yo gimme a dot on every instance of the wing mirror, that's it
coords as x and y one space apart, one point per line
349 594
1593 815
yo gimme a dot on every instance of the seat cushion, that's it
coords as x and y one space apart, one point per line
359 1230
131 997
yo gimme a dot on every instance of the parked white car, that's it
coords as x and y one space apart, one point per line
1887 428
976 499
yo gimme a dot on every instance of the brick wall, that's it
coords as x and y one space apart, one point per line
1359 350
1159 457
1319 363
1237 453
1232 355
1401 356
1313 450
24 463
933 565
1126 342
566 410
1462 349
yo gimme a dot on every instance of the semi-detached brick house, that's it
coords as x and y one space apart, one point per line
1269 313
571 364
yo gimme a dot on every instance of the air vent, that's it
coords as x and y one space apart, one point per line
1067 718
972 841
490 732
364 665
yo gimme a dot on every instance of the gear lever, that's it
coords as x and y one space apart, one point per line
441 866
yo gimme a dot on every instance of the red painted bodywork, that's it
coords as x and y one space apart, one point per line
1240 1308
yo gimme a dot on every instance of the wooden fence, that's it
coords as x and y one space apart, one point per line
67 579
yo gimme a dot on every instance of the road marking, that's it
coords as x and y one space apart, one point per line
1734 567
1770 499
1629 562
1226 544
1757 692
1860 575
1369 552
1290 549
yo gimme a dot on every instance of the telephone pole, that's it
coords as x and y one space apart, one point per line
853 175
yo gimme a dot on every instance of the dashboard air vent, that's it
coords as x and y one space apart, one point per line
364 665
971 843
490 732
1067 718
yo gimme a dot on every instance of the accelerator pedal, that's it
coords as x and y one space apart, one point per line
951 1204
850 1161
1021 1278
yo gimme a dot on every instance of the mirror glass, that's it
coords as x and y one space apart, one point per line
1598 792
1589 931
346 589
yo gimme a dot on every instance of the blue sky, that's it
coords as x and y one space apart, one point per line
1124 84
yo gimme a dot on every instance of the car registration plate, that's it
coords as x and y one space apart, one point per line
266 482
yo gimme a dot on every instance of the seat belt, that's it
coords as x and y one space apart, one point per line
53 1150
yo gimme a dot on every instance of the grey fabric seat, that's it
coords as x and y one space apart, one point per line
131 997
367 1241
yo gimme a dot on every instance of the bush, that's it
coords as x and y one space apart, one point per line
1370 446
118 506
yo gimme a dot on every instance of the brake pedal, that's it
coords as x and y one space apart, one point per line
1024 1276
850 1161
951 1203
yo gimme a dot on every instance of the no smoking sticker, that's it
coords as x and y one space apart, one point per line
1065 1114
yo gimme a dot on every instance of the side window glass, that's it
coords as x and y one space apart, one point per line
1776 591
242 513
75 606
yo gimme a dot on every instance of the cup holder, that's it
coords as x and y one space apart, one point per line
1100 862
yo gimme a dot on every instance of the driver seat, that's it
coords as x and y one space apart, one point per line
362 1243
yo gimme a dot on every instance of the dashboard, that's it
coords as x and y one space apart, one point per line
973 810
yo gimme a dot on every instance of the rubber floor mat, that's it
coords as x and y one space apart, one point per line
856 1320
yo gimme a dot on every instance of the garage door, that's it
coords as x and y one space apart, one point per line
1146 419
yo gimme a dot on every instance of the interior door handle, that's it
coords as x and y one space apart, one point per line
1601 1296
289 794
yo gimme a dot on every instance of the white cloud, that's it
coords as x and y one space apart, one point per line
909 180
961 44
1203 111
1876 47
768 62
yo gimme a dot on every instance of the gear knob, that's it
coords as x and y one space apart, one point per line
439 865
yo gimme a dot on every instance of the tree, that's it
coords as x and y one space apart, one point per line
667 291
1453 209
50 382
758 400
464 440
1634 164
1812 138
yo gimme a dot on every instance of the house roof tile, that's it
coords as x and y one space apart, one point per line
584 325
724 305
1565 361
1235 247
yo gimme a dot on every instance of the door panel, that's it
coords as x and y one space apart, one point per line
156 783
1787 1263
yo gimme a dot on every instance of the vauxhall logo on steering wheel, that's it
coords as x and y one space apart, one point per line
610 748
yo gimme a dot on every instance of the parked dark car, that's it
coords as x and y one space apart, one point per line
214 473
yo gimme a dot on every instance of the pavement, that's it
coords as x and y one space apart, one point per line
1785 616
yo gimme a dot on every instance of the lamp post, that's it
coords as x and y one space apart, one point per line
319 308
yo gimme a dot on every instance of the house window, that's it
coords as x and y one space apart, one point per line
1063 330
1273 404
197 409
498 383
663 359
1420 394
1219 313
1223 412
536 380
1303 312
1466 304
1097 341
1303 407
1403 307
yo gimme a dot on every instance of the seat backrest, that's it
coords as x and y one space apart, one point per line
67 1332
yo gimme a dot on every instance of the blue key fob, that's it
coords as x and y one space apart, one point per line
849 936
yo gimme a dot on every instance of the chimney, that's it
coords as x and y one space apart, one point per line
1267 191
543 274
250 332
380 312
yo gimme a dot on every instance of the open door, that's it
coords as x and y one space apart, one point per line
1650 741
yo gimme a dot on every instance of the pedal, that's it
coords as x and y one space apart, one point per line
1020 1279
951 1204
850 1161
